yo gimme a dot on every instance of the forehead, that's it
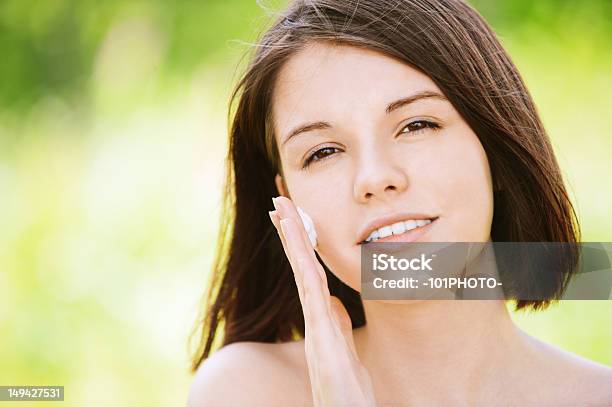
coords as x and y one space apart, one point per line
325 81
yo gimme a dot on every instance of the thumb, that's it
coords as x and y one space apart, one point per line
344 321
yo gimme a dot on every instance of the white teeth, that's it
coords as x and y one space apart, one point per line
411 224
385 231
396 228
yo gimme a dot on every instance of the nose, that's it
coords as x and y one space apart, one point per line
379 177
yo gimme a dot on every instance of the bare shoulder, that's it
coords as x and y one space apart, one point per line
592 381
575 378
252 374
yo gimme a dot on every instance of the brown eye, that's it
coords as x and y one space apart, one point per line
418 125
319 155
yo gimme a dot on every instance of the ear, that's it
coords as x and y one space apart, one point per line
280 185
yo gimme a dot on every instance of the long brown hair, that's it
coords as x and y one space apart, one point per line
252 294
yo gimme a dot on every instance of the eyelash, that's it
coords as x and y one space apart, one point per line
428 125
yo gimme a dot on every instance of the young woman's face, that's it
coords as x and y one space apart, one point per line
368 156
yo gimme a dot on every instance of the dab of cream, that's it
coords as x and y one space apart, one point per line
309 226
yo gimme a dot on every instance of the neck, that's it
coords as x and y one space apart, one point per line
452 348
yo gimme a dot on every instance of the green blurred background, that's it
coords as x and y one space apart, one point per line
112 142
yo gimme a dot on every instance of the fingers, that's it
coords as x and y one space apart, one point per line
344 322
296 274
314 302
276 221
286 209
309 274
333 363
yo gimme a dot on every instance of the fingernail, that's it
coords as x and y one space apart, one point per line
279 206
271 213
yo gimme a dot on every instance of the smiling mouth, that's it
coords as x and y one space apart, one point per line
405 231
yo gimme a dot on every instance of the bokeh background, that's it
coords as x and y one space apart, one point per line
113 125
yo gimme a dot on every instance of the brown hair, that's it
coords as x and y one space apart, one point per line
252 294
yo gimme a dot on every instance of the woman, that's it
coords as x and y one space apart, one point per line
365 113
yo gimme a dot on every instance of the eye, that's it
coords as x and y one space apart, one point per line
418 125
319 155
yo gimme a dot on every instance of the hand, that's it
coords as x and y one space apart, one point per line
337 377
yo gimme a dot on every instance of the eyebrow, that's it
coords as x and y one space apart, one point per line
320 125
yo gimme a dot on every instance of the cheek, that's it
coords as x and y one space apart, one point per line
336 242
344 262
323 199
465 188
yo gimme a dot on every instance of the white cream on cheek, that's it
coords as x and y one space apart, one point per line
309 226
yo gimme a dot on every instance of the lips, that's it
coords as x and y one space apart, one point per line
396 227
406 237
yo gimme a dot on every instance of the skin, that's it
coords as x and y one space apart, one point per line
375 169
409 353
